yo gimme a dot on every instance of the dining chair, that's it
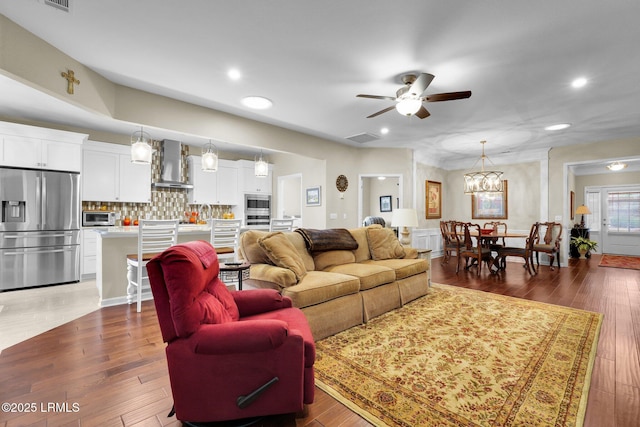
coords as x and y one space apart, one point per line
551 235
497 227
450 244
154 236
225 235
526 252
470 249
280 224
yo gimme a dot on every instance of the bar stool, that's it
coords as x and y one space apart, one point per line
225 236
280 224
154 236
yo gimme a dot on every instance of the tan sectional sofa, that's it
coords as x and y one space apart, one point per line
341 281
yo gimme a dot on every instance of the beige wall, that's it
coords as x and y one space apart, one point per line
523 194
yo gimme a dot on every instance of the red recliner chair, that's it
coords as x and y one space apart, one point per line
231 355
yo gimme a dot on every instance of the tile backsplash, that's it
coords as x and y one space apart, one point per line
166 203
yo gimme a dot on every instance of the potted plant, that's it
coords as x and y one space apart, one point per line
583 245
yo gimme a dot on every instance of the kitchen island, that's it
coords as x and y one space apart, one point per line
113 246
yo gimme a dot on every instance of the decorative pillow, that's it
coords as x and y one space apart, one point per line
250 250
282 253
383 244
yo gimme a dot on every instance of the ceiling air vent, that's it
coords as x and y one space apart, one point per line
59 4
361 138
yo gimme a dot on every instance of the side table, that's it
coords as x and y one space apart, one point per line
426 254
239 269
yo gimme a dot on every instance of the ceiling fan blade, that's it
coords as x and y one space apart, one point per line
391 98
381 111
449 96
421 84
423 113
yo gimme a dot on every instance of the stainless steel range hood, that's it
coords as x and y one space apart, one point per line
171 167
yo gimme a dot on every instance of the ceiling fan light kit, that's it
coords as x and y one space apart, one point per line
483 181
409 98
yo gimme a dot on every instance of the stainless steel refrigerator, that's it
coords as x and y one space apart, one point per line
39 228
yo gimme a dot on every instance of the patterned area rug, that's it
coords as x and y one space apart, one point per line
458 357
620 261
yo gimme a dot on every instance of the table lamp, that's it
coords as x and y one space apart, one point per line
582 210
404 218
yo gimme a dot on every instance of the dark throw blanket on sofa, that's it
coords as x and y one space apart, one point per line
328 240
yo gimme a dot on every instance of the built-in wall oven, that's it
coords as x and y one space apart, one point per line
257 209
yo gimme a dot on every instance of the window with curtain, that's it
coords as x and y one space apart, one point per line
624 211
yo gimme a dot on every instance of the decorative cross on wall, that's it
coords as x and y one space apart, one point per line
71 80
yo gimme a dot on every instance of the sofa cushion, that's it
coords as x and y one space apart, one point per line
403 267
250 250
328 239
282 253
383 244
370 275
322 260
320 286
360 236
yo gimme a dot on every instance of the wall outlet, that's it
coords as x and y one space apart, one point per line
558 218
333 216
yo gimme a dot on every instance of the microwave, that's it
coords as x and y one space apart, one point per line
98 218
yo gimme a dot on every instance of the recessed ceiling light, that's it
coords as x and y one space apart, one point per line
579 82
257 102
384 131
616 166
234 74
559 126
382 178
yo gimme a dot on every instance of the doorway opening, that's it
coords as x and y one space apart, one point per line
374 193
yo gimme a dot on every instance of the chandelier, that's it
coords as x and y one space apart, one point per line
483 181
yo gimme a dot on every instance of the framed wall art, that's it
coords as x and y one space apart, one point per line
490 205
314 196
433 202
385 204
572 204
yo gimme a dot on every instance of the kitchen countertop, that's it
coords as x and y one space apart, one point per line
132 230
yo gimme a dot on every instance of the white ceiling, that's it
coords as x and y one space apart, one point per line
312 58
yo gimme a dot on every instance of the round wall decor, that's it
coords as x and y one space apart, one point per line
342 183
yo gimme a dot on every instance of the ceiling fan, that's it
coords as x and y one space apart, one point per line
409 100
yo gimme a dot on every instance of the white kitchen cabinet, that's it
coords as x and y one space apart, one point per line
88 249
213 188
248 181
28 152
109 176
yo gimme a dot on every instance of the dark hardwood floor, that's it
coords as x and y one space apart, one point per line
109 366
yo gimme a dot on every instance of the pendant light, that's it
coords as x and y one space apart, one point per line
209 158
483 181
261 167
141 147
